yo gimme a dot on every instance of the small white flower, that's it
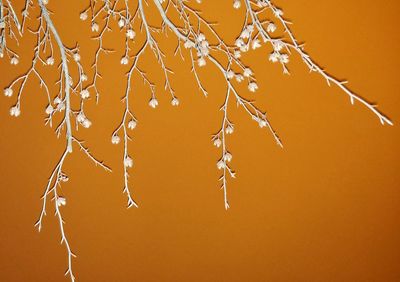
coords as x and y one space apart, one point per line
247 72
132 124
278 13
201 62
236 4
189 44
255 44
175 102
130 34
8 92
229 129
77 57
121 23
262 123
86 123
253 86
61 201
230 74
284 58
221 164
2 24
15 111
245 34
227 157
153 103
237 54
60 107
84 77
271 27
14 61
239 42
201 37
128 162
83 16
124 60
239 78
278 45
50 61
85 94
115 139
244 48
49 109
81 117
57 100
95 27
217 142
45 2
274 57
1 54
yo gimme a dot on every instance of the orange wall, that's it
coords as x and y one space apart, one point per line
324 208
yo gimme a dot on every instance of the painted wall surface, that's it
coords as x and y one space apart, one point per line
326 207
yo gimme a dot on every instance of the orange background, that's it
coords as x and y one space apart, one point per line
324 208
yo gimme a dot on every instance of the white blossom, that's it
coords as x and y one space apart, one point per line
229 129
236 4
49 109
8 92
153 103
57 100
239 78
271 27
239 42
132 124
128 162
15 111
84 77
175 101
45 2
86 123
247 72
121 23
61 201
221 164
14 61
77 57
255 44
83 16
201 62
227 157
130 34
278 12
50 61
124 60
85 94
237 54
278 45
115 139
230 74
2 24
217 142
189 44
81 117
95 27
253 86
284 58
274 57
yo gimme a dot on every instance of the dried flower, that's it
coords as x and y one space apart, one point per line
274 57
189 44
124 60
284 58
84 77
229 129
230 74
255 44
201 62
221 164
227 157
121 23
95 27
130 34
247 72
217 142
86 123
271 27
